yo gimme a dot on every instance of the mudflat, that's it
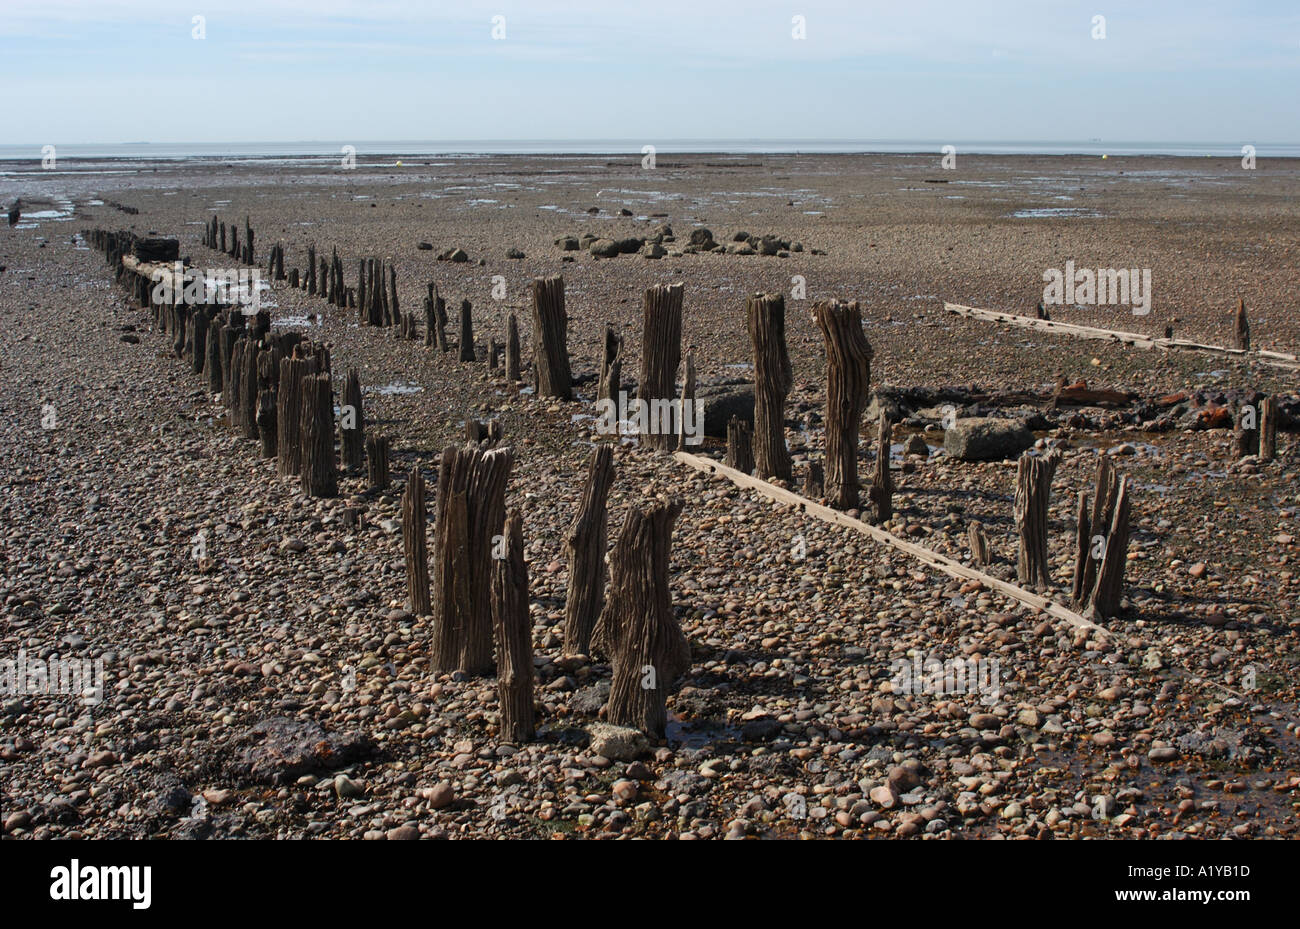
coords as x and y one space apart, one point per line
790 719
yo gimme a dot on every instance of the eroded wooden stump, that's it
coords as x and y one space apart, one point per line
637 626
765 318
1033 493
848 380
585 545
550 339
471 511
513 632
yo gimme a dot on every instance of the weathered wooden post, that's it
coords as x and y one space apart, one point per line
393 310
1033 492
361 289
266 427
550 339
1100 560
611 367
213 365
1103 509
688 403
198 339
585 545
661 352
765 317
319 474
1268 428
637 627
814 481
352 423
431 317
471 510
512 348
1246 429
377 447
848 379
494 355
513 631
978 542
415 543
289 414
466 332
1241 327
249 386
881 492
740 446
484 435
234 393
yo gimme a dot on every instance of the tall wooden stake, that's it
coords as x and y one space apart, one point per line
586 545
848 378
765 317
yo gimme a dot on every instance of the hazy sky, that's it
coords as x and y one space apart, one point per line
293 70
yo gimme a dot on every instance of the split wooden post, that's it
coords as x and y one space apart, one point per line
1109 590
1241 327
550 339
848 379
661 353
773 377
1092 534
513 632
1268 428
740 446
637 627
415 543
377 447
352 424
881 492
512 349
1033 493
471 511
466 331
611 367
319 474
586 546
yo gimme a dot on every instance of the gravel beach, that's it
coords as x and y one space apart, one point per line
273 683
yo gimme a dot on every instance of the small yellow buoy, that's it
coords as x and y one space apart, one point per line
1104 157
399 164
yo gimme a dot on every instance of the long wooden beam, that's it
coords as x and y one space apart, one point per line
1136 339
932 558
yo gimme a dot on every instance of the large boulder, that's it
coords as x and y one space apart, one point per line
604 248
617 743
702 238
722 403
983 438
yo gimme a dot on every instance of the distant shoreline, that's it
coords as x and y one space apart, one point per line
268 151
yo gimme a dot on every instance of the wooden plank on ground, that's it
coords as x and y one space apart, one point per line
932 558
1136 339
